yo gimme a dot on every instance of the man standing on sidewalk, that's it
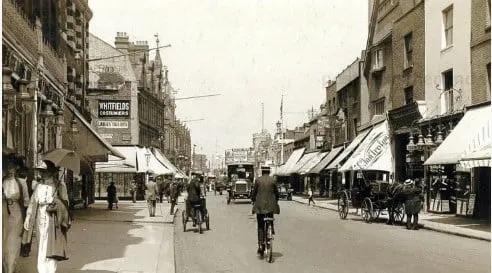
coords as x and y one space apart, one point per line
310 194
152 192
175 190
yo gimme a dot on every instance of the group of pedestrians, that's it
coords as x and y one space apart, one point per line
153 193
45 211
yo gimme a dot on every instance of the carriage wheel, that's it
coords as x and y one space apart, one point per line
343 205
367 210
399 213
183 216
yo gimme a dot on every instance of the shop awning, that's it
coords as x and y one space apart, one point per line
163 159
87 141
354 144
374 153
312 163
480 158
468 130
294 157
115 165
305 159
140 159
328 158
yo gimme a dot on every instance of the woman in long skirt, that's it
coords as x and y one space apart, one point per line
14 199
52 226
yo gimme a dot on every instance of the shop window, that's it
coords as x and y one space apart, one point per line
408 57
447 78
447 16
408 94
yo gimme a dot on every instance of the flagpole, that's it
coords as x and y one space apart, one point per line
282 129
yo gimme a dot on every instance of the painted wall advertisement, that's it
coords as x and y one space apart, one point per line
113 108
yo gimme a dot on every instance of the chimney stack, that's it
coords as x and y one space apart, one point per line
121 42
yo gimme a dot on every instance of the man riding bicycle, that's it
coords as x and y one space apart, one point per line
265 197
194 195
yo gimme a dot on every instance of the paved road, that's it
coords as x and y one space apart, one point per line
311 239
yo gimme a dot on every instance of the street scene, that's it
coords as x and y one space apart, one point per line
234 136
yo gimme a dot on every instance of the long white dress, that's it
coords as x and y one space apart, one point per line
44 196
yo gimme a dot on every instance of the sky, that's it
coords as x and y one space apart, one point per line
249 52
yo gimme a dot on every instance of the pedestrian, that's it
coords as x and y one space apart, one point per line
15 198
310 195
412 203
133 190
152 192
48 210
175 191
111 190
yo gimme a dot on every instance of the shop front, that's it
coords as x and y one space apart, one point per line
139 161
299 180
342 179
372 158
313 180
459 169
80 137
325 176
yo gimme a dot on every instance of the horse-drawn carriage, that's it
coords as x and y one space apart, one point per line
372 198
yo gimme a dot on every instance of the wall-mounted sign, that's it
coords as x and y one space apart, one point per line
114 108
107 135
112 124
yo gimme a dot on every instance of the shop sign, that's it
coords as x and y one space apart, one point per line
107 135
114 108
374 150
112 124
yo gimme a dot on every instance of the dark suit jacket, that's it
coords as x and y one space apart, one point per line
194 191
265 195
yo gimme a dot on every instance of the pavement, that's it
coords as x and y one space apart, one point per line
446 223
123 240
312 239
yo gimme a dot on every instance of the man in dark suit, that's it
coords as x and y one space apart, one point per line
194 195
265 197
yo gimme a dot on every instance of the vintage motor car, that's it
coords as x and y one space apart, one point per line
285 192
240 189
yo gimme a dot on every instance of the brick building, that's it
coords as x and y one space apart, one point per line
480 51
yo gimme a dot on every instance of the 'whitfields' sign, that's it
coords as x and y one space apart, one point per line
114 108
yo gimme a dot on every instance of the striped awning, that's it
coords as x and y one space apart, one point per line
472 134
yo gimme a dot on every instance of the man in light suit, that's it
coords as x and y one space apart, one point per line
151 194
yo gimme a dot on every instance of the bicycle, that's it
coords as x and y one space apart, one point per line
268 239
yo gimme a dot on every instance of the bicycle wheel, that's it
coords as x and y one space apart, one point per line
269 244
199 221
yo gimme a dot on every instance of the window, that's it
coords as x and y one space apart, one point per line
408 94
377 61
448 90
488 79
408 58
378 107
487 15
448 26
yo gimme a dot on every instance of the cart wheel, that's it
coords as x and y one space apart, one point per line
343 205
199 221
183 215
367 210
399 213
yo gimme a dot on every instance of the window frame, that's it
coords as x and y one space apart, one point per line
406 91
448 90
378 58
408 50
448 29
